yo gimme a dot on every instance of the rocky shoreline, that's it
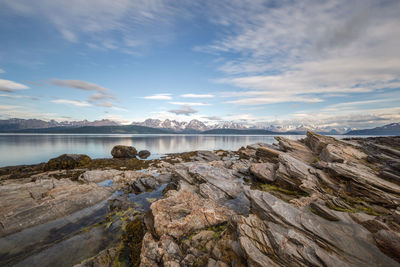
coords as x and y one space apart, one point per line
312 202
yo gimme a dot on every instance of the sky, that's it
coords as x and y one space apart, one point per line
329 63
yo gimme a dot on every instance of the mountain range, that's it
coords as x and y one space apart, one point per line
389 129
172 126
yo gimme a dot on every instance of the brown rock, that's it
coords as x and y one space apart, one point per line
123 152
144 154
263 171
389 243
68 161
184 212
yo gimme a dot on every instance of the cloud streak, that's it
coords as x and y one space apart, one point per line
183 110
101 98
299 48
197 96
72 102
190 103
159 97
10 86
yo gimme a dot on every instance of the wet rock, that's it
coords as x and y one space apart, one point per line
68 161
144 154
29 204
123 152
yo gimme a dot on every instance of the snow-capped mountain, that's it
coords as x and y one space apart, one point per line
177 126
20 124
198 126
230 125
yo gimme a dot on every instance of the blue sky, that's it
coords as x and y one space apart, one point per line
327 63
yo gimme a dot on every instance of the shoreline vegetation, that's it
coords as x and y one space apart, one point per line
316 201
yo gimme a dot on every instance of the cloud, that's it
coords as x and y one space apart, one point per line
213 118
197 95
190 103
2 71
8 107
272 100
77 84
301 49
100 98
159 97
72 102
10 86
19 96
183 110
122 24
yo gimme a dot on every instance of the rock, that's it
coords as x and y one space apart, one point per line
219 182
324 212
331 150
389 243
268 153
144 154
263 171
203 155
33 203
184 212
281 234
68 161
120 151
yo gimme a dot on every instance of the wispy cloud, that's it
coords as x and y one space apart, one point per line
19 96
94 20
190 103
72 102
2 71
77 84
275 99
183 110
213 118
102 97
159 97
8 107
10 86
197 95
298 48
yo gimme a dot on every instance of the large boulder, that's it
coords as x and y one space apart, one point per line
120 151
68 161
144 154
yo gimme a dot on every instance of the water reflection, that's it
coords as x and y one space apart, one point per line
18 149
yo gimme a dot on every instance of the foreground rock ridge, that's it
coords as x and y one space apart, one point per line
317 201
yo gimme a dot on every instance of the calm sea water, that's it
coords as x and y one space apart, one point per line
16 149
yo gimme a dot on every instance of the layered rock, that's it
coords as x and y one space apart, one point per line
29 204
